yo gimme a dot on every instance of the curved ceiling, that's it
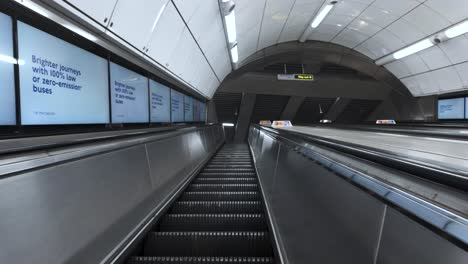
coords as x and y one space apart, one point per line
187 37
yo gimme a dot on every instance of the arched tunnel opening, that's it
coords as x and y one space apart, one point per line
234 131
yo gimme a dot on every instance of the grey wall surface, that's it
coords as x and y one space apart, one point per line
79 210
320 217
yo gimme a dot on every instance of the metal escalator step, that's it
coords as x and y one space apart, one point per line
230 163
223 187
213 222
226 165
200 260
220 196
218 160
226 174
220 207
228 170
230 244
227 180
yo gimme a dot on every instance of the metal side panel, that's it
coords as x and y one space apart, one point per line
49 215
169 163
405 241
321 217
266 164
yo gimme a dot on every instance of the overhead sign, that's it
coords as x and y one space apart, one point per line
281 123
385 122
265 122
296 77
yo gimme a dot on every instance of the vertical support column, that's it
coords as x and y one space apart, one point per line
245 115
212 116
292 107
337 108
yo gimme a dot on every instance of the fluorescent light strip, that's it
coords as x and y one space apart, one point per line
234 54
228 124
321 16
417 47
457 30
231 26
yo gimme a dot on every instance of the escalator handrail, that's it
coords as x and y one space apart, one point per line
442 175
444 220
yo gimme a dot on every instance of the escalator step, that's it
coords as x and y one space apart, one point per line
213 222
200 260
220 207
223 187
228 170
226 174
215 166
220 196
231 163
229 180
216 244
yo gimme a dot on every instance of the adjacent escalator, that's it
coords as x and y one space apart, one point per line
219 218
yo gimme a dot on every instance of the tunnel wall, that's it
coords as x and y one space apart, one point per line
86 200
318 216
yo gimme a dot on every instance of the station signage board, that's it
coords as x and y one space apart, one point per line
296 77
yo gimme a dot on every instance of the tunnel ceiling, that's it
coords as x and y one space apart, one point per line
187 37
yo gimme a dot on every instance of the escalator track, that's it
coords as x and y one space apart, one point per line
219 218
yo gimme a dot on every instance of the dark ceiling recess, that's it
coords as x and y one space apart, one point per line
227 106
336 69
357 111
279 68
269 107
312 110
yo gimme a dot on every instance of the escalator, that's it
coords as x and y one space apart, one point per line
219 218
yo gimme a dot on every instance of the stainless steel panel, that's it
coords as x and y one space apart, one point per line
168 160
405 241
87 200
321 217
50 214
266 164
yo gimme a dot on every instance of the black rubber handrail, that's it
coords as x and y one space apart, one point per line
442 175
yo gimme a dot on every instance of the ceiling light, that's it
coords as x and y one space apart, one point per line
81 32
230 20
322 14
234 54
417 47
8 59
457 30
228 124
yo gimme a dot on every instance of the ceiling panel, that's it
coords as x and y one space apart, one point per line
381 44
100 11
456 49
205 22
350 38
166 36
373 27
248 20
406 32
427 83
274 18
462 70
136 23
447 79
426 19
408 66
299 18
184 58
434 58
188 8
452 10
